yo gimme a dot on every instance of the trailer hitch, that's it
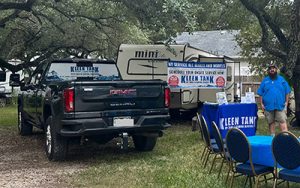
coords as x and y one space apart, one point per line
124 142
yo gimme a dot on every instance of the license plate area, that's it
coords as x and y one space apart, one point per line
123 122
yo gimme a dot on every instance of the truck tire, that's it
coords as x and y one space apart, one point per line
144 143
23 127
56 146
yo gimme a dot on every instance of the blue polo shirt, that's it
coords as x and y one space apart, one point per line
273 92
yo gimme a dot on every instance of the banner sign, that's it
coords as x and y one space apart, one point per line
242 116
196 74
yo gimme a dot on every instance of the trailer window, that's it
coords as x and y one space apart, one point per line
147 67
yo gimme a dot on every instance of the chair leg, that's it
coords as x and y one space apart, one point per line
257 181
250 181
212 164
204 155
275 183
207 158
231 183
265 180
221 167
288 184
203 152
230 169
247 181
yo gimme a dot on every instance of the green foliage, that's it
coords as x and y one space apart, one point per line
251 34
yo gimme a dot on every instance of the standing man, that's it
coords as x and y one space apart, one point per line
274 94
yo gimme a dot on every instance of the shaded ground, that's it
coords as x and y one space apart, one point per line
23 162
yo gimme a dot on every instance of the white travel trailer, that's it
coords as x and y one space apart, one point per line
6 91
146 62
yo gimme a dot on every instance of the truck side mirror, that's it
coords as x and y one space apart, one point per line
2 76
14 80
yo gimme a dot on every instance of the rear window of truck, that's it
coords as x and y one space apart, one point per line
82 71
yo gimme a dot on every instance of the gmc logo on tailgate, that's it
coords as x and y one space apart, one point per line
130 92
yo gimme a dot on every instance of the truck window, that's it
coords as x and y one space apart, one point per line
37 74
80 71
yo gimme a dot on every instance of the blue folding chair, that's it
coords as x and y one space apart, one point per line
210 144
199 126
286 152
220 143
240 152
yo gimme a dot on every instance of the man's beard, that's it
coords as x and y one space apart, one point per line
273 75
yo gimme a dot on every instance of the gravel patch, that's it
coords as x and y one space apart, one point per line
23 162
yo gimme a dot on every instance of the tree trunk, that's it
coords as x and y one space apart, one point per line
294 56
296 85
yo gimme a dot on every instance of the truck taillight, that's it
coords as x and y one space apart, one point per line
69 99
167 97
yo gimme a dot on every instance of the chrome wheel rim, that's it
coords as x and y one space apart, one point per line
48 139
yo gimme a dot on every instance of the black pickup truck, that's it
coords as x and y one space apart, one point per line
87 99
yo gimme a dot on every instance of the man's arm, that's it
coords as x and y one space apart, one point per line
287 97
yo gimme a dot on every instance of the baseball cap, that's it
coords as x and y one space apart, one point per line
272 65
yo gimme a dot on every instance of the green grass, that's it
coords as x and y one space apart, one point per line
8 116
174 162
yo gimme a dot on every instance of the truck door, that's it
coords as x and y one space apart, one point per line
30 96
29 100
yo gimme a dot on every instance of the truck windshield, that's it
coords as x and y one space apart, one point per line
82 71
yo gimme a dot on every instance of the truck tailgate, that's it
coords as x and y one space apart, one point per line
118 95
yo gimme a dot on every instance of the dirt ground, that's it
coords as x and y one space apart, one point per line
23 162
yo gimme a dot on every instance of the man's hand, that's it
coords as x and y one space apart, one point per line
262 107
285 106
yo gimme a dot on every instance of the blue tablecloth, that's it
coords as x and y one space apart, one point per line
261 147
226 116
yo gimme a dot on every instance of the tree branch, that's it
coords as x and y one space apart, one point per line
264 21
27 6
266 44
35 62
37 14
12 16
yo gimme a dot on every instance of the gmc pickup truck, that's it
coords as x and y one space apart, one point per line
87 99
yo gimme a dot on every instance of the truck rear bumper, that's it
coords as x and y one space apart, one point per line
98 126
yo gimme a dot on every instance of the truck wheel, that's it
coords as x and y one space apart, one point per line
144 143
56 146
23 127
